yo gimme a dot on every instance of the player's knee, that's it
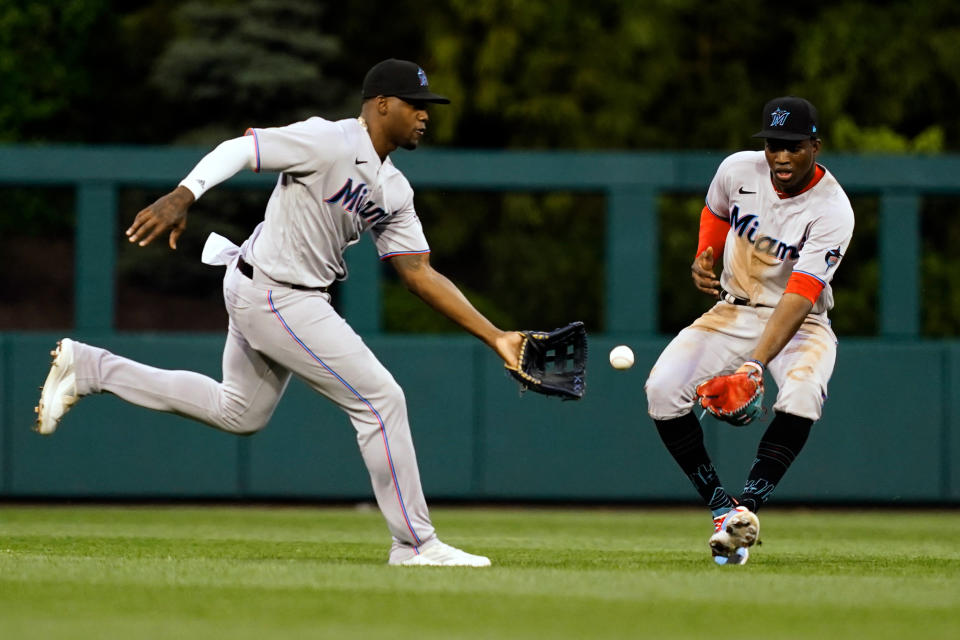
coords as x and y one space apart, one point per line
655 389
246 429
393 392
240 426
664 396
804 399
239 419
380 391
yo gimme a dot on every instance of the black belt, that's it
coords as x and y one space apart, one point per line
247 270
728 297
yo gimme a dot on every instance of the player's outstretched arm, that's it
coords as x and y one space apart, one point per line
703 276
169 212
781 327
440 293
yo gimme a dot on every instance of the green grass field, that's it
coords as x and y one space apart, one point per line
259 573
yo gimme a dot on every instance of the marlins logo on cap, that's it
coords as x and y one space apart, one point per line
788 118
778 118
400 78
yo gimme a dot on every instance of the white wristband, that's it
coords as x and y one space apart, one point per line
755 364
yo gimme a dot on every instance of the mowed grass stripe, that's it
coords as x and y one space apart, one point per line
303 572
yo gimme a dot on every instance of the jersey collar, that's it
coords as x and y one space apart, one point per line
818 174
366 148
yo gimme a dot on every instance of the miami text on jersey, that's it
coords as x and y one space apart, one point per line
746 227
354 201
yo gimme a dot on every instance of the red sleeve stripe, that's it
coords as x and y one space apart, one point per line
256 146
403 253
806 285
713 232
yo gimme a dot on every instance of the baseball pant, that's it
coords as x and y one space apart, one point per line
275 332
720 340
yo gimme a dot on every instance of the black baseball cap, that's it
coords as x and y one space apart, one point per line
788 118
400 78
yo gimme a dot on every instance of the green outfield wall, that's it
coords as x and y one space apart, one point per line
476 436
889 434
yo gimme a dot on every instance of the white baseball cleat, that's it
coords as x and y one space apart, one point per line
734 533
59 391
740 555
439 554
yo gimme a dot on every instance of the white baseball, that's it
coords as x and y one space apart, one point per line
621 357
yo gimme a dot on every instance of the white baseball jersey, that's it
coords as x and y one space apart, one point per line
332 187
770 238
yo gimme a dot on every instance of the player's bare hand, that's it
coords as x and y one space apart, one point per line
703 276
167 213
507 346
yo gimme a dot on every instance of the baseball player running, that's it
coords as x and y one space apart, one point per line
782 224
336 181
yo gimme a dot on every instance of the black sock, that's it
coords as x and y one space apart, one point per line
778 448
683 437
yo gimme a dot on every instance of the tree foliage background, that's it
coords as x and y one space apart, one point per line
540 74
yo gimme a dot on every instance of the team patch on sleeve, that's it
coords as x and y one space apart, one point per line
832 258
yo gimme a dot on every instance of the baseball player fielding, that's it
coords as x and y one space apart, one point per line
781 223
336 182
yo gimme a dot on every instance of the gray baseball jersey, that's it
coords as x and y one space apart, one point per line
332 187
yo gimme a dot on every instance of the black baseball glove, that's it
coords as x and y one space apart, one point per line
554 363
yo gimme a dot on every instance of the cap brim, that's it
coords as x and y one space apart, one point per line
425 96
781 135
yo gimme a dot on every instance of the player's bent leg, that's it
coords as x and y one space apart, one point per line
802 398
251 389
803 369
714 344
376 406
683 438
386 444
317 345
693 356
670 391
778 448
241 405
801 372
